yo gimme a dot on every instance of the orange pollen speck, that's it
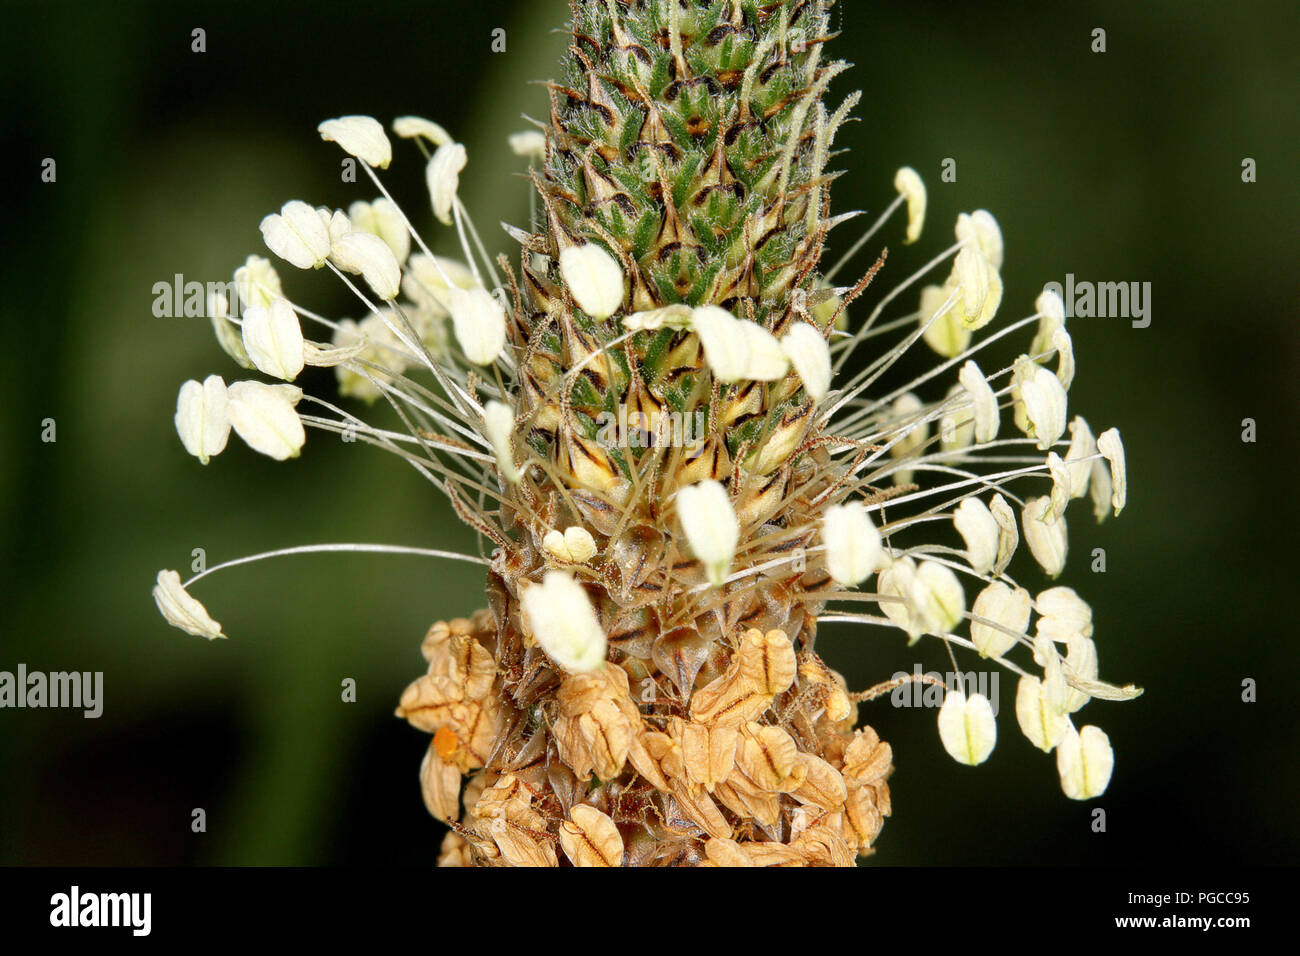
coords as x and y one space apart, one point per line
445 742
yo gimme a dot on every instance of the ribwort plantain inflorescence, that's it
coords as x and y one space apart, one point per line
651 419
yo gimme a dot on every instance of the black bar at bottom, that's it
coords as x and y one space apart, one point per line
505 908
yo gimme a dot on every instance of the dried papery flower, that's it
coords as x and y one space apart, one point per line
590 838
679 454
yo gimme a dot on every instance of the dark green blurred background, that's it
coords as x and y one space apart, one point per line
1116 166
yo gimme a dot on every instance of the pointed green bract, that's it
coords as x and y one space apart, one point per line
691 141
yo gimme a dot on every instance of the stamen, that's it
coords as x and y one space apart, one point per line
853 250
891 296
347 548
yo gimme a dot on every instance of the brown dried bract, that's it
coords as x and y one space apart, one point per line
646 754
829 689
707 753
726 853
590 838
822 786
440 784
769 759
455 851
597 722
504 814
761 769
762 667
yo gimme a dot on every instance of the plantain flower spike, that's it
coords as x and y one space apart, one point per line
698 456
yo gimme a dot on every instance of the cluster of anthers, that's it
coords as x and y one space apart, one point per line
643 687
